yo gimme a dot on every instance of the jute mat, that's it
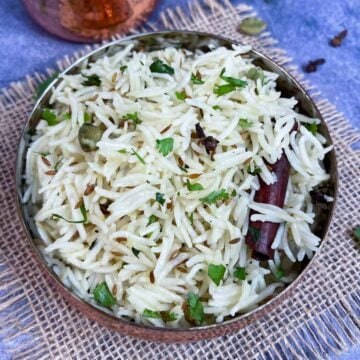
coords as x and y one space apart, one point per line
323 315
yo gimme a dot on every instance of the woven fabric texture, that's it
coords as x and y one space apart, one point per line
322 316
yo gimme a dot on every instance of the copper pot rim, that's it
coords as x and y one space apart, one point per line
110 320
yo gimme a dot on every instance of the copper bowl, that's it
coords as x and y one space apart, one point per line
189 40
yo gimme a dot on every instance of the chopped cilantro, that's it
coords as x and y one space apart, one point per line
83 213
103 296
245 123
193 187
194 310
232 81
196 79
216 273
180 95
160 198
214 196
165 146
134 118
138 156
91 80
313 128
50 117
254 172
151 314
240 273
123 68
160 67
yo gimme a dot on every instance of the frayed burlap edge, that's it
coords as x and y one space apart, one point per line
331 328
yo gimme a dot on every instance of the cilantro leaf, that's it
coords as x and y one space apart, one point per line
254 233
50 117
233 193
135 251
196 79
194 310
160 67
123 68
240 273
254 172
160 198
279 273
180 95
134 118
151 314
191 218
170 317
83 213
216 273
138 156
214 196
232 81
245 123
193 187
122 151
216 107
103 296
87 117
67 116
223 89
313 128
44 85
165 146
91 80
152 219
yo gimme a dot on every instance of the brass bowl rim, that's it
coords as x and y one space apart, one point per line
103 316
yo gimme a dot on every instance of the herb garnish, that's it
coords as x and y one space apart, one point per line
255 74
232 81
256 170
103 296
89 135
337 40
191 218
152 219
67 116
87 117
169 317
151 314
252 26
160 198
193 187
312 127
138 156
193 309
44 85
160 67
245 123
254 234
180 95
214 196
57 164
279 273
91 80
312 65
134 118
50 117
216 107
83 213
135 251
223 89
42 153
240 273
233 193
196 79
123 68
216 273
165 146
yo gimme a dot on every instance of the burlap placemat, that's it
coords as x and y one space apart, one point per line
321 317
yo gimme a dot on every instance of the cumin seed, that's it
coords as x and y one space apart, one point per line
152 277
50 172
165 129
114 290
114 76
78 204
45 161
194 176
89 189
234 241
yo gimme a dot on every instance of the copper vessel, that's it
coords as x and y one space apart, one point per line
88 20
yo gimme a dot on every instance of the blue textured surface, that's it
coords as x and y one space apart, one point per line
303 28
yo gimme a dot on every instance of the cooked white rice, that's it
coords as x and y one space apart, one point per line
173 251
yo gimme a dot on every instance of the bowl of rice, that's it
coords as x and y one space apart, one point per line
175 186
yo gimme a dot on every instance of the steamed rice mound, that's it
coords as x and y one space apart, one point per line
150 237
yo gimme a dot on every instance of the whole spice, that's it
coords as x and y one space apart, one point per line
338 39
252 26
312 65
88 136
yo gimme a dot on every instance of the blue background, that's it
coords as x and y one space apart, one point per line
303 28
